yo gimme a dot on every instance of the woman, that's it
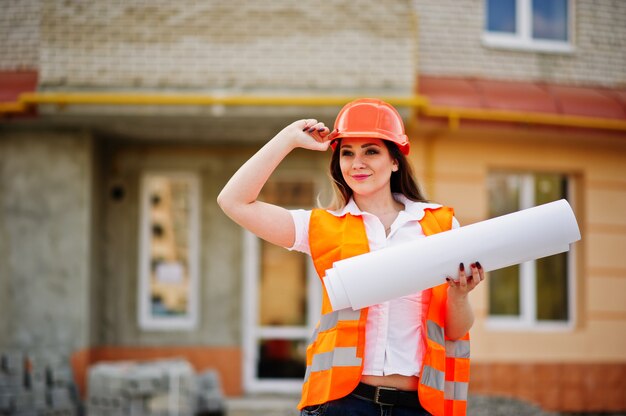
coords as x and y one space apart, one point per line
408 356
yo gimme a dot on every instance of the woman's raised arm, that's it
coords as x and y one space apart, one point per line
238 199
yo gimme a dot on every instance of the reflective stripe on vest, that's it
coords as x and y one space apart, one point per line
340 356
454 349
431 377
456 390
330 320
458 349
452 390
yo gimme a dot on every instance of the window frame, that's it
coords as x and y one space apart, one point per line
522 39
527 320
252 332
147 321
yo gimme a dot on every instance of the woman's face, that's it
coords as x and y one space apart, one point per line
366 165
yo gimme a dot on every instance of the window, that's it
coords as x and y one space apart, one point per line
539 25
539 293
168 251
281 300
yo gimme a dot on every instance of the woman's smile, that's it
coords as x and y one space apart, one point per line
360 176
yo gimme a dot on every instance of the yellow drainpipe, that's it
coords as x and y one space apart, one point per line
12 108
417 102
454 115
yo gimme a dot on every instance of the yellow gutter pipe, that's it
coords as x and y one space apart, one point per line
417 102
454 115
12 108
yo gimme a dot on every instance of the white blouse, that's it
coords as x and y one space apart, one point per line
393 341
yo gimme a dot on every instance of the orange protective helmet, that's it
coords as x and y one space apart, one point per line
369 117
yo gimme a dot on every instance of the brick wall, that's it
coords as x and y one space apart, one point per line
19 34
565 387
450 44
335 46
238 45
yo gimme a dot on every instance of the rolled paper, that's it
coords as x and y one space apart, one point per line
407 268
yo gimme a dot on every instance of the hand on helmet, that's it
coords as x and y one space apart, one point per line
310 134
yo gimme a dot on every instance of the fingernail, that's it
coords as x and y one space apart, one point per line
321 129
461 267
448 279
478 265
472 265
312 129
305 129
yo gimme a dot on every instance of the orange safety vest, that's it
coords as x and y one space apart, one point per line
335 355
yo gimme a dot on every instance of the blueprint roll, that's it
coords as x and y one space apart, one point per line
407 268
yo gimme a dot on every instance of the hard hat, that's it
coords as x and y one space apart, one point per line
369 117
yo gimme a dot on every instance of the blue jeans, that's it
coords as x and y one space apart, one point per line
354 406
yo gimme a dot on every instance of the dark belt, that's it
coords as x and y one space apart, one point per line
387 396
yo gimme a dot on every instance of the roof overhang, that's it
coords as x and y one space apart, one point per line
456 100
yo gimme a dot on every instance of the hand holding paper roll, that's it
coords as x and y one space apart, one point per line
529 234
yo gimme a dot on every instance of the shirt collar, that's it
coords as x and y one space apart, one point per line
414 211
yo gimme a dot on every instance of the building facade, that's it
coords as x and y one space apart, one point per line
122 121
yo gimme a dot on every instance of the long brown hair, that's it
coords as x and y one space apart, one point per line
402 181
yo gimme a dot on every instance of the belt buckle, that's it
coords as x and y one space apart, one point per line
377 395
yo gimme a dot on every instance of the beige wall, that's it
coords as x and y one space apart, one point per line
459 165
